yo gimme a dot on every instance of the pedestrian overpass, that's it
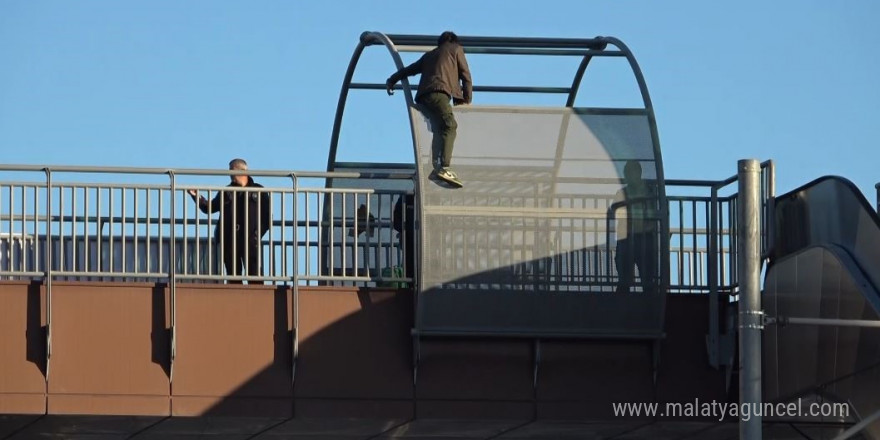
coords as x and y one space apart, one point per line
497 300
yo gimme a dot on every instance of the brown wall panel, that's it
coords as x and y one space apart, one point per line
685 373
469 369
105 404
593 374
586 377
233 345
354 344
22 349
110 349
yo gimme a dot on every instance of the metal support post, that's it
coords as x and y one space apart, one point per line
750 313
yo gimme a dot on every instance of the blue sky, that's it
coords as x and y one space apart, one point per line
194 83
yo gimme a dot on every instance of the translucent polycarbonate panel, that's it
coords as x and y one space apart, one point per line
837 362
536 226
829 210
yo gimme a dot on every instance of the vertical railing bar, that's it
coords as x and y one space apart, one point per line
356 247
342 241
681 234
22 261
385 247
149 253
610 255
704 271
24 229
272 272
135 236
11 241
713 257
694 241
220 226
198 235
236 262
734 239
212 245
122 235
282 233
770 210
246 267
9 189
61 245
295 233
99 228
48 271
161 230
86 234
172 270
185 226
257 237
73 223
377 251
723 271
308 236
112 233
36 228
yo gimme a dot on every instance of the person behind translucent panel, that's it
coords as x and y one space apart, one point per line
445 75
635 208
244 220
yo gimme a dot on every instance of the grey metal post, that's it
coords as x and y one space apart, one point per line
713 261
750 314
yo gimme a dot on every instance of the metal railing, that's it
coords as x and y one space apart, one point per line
85 230
82 229
717 219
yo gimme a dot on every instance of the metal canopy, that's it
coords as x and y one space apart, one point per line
528 246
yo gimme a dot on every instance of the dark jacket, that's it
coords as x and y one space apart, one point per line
442 68
236 206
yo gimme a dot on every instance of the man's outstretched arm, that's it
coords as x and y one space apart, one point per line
407 71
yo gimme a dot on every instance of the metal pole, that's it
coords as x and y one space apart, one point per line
792 320
877 187
712 272
750 314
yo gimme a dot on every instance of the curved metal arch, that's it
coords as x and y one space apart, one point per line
595 46
582 68
652 124
367 39
658 156
624 49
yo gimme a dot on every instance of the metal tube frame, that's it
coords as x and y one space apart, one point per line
751 316
587 48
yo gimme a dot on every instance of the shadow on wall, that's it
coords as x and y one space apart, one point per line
354 357
355 352
36 329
